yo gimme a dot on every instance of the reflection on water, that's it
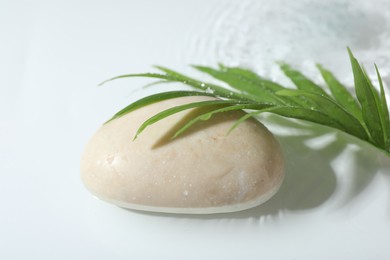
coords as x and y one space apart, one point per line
255 34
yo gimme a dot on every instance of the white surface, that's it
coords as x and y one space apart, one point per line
334 204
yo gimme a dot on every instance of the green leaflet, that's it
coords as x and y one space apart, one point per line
384 111
263 86
256 92
208 115
366 117
310 115
340 93
347 122
156 98
243 118
168 112
172 76
246 73
300 81
369 100
250 76
214 89
158 82
146 75
307 114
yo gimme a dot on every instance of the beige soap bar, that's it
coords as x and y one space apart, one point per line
202 171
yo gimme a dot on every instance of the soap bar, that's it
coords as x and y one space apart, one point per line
203 171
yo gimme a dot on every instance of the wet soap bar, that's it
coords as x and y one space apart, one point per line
202 171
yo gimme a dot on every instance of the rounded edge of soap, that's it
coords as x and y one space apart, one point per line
198 211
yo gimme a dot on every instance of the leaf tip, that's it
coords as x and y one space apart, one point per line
103 82
351 56
161 68
221 66
111 119
377 71
195 66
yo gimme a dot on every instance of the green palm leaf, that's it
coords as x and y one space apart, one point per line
366 117
301 81
208 115
156 98
257 92
384 110
370 102
340 93
168 112
347 122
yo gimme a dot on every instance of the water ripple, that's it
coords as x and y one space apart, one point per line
255 34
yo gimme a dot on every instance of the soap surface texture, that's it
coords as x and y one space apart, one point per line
203 171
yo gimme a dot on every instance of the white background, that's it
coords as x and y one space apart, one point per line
334 204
